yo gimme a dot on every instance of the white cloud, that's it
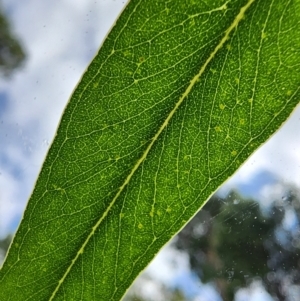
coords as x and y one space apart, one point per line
10 209
255 292
170 263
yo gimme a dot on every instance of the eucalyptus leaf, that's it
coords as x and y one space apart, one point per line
178 97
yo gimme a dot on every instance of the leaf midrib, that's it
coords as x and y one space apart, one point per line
233 25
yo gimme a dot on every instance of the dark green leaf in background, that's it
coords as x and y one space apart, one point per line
180 94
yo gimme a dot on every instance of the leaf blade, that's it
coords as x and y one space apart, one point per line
169 167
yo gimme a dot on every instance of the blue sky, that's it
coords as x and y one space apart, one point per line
60 38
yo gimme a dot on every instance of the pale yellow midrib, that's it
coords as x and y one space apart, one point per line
234 24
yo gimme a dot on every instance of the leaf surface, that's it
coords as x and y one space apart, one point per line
178 97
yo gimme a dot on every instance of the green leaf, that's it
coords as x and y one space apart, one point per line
178 97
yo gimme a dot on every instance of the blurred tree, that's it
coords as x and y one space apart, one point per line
4 245
11 52
231 242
